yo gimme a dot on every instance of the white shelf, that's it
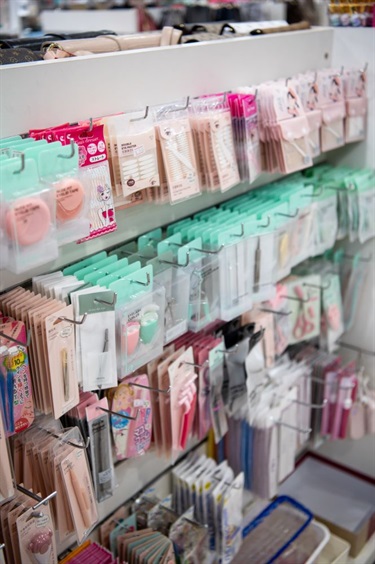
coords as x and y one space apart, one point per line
46 93
42 94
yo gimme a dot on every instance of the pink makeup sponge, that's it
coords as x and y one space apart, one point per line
28 221
70 196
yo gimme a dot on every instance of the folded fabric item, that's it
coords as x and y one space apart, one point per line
18 55
35 43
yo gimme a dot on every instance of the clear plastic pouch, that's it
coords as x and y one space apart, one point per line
204 300
142 329
236 278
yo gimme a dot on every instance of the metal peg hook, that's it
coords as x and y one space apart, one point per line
22 157
301 300
364 70
266 224
142 117
40 500
163 261
74 321
314 194
61 438
183 107
2 546
147 283
118 414
288 214
194 364
207 252
241 234
275 312
72 151
288 426
158 390
312 405
287 80
106 302
319 286
28 339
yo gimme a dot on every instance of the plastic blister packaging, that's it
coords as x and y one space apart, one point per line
204 300
142 329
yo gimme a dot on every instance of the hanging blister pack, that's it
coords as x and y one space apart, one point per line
96 179
132 421
218 416
100 450
136 152
174 134
204 300
332 326
58 167
176 282
246 135
355 90
236 261
308 91
140 308
212 125
325 222
28 216
97 338
332 104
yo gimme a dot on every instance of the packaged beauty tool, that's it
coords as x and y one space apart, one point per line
36 533
96 179
61 358
27 215
132 427
183 399
15 381
218 416
286 124
332 325
58 166
6 475
76 479
136 152
305 316
174 134
212 123
100 450
236 260
325 222
204 300
97 338
355 91
177 287
244 112
308 91
361 202
332 104
140 310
